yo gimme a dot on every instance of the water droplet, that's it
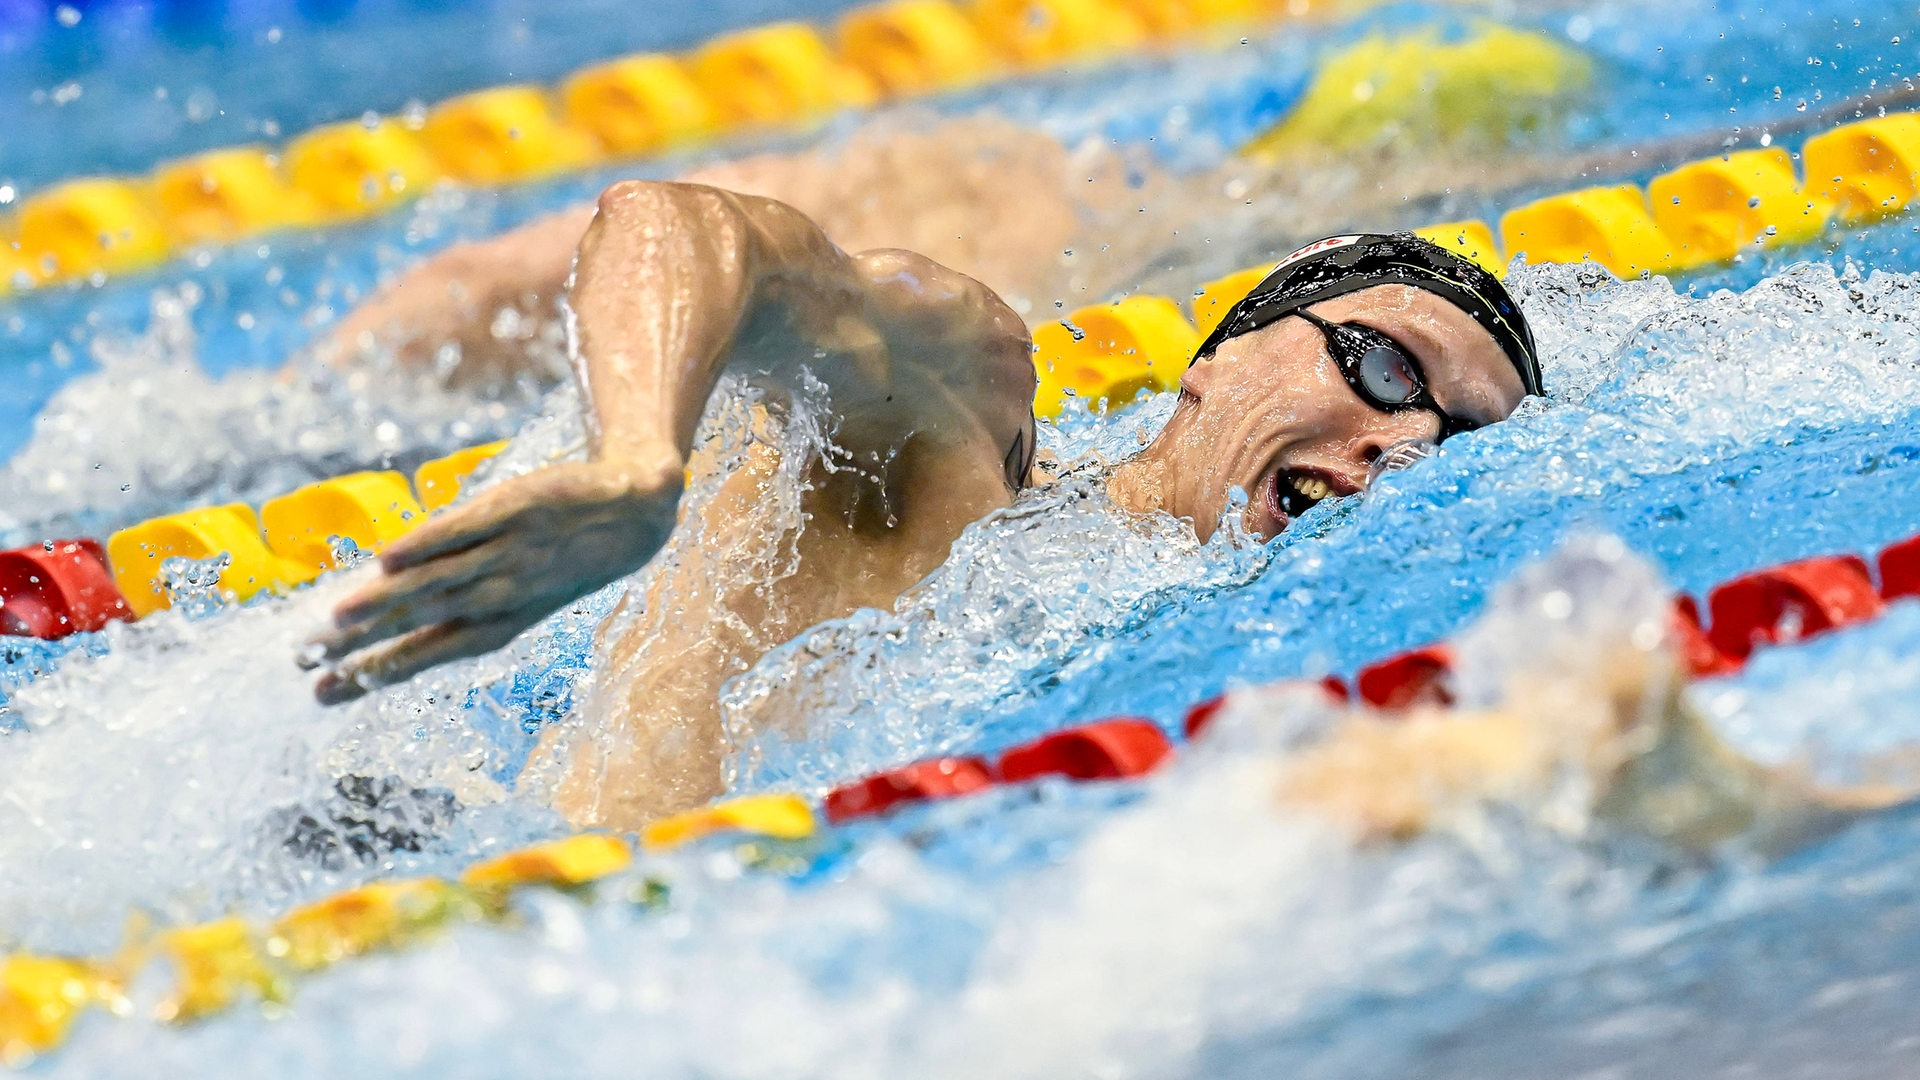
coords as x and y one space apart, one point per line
346 552
193 585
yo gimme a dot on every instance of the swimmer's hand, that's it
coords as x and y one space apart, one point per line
469 580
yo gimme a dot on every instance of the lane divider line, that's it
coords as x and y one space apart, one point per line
783 75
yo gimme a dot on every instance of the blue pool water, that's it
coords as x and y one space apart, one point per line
119 85
1188 926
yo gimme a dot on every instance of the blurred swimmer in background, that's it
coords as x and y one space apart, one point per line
1353 347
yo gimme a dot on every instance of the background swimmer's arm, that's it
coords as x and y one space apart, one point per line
456 297
1388 778
1657 769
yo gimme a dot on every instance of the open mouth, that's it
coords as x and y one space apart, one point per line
1293 493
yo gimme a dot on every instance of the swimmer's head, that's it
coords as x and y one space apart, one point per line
1353 345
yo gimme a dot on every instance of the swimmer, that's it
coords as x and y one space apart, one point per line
1352 347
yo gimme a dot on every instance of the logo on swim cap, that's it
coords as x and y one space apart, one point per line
1316 248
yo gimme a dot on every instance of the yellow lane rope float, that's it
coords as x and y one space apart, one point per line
217 965
638 105
292 540
358 168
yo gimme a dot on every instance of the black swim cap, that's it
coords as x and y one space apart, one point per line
1339 265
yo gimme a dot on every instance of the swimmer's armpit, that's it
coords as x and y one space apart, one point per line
1019 460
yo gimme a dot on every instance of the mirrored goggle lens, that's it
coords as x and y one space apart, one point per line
1388 376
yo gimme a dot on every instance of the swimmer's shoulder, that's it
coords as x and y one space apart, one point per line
979 343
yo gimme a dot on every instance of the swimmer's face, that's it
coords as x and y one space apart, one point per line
1270 413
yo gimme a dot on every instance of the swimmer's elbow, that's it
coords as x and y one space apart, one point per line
647 203
758 236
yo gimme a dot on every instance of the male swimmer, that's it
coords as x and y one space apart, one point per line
1352 346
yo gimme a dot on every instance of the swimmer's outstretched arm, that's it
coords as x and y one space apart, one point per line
1653 765
673 285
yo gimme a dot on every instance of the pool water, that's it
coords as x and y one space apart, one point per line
1185 926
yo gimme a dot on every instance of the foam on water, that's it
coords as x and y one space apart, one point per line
1183 927
151 431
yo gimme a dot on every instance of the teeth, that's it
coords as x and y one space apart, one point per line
1312 487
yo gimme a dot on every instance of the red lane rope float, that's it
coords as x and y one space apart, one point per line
940 778
1113 749
1900 569
57 588
1117 748
1698 654
1423 676
1790 602
1201 716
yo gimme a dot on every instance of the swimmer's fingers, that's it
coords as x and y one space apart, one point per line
391 596
484 598
461 528
401 660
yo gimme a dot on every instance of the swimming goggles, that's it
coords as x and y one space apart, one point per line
1382 371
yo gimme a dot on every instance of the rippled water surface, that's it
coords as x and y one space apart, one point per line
1187 926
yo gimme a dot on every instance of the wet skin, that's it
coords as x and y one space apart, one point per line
1272 404
931 382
